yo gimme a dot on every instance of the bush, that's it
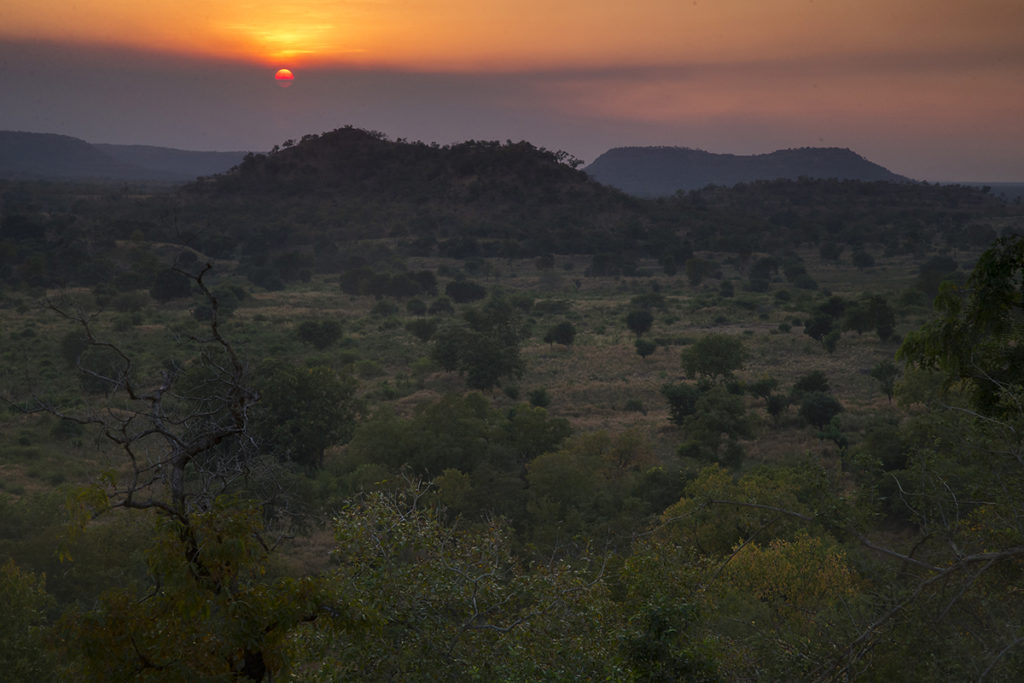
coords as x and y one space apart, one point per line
862 259
639 321
540 398
415 307
634 405
648 301
830 251
754 285
763 388
422 328
384 309
776 405
319 333
819 325
645 348
814 381
818 408
464 291
805 281
682 401
443 306
562 333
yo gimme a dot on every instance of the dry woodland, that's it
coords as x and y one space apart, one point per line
364 409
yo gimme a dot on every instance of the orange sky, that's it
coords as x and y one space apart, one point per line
526 34
932 88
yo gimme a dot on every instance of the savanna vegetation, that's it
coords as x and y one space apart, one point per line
374 410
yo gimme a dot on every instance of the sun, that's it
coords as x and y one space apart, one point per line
284 77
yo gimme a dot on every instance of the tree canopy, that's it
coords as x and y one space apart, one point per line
714 357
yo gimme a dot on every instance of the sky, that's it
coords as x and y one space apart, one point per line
931 89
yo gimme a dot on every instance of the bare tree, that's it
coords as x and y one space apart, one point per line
184 434
183 440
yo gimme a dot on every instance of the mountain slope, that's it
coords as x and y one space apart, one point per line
46 155
354 184
51 156
661 171
176 163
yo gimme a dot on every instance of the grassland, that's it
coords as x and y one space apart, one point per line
597 383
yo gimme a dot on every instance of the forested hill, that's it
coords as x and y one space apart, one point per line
662 171
336 202
355 184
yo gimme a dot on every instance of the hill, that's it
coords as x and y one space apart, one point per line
50 156
662 171
351 184
46 155
346 200
175 163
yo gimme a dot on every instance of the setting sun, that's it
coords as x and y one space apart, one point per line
284 77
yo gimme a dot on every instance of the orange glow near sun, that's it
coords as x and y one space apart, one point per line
526 34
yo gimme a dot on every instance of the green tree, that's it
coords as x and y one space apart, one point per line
976 336
443 603
786 590
886 373
776 405
863 259
714 357
319 333
697 269
563 333
645 347
714 429
212 614
23 647
577 492
422 328
884 317
819 325
540 398
487 347
934 272
207 609
682 401
858 318
639 321
302 411
416 307
831 340
965 445
818 408
813 381
763 388
464 291
449 342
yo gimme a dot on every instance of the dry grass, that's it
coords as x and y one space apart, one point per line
590 382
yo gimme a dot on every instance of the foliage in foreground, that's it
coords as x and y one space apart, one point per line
907 564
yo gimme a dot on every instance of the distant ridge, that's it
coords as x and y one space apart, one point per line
46 155
52 156
661 171
181 164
